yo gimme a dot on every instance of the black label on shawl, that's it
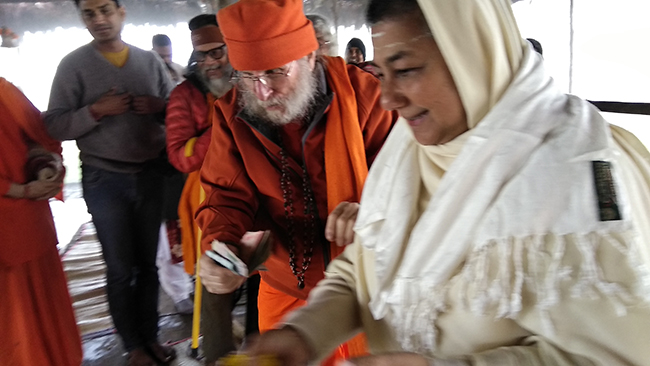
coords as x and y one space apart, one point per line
605 191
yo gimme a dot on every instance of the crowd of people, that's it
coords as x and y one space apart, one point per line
443 204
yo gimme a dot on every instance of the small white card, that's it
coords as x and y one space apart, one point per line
221 254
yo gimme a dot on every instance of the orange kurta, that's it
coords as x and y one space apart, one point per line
37 325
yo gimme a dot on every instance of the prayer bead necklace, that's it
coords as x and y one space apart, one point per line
289 211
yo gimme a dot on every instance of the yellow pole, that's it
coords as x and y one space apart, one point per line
196 317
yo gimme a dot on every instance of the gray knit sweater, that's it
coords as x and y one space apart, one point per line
121 143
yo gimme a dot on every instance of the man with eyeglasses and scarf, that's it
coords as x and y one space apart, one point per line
290 143
189 129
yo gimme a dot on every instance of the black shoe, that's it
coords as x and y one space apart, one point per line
161 353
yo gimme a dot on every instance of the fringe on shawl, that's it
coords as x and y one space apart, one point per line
520 262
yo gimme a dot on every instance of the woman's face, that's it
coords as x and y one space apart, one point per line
415 80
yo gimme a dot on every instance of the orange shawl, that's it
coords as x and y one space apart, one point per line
346 167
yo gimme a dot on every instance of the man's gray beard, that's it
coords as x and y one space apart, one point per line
218 87
296 105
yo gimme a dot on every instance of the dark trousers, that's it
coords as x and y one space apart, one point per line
252 315
126 210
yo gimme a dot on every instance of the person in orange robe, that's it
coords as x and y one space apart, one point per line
37 323
291 142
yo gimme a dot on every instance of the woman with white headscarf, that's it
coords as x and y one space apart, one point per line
503 222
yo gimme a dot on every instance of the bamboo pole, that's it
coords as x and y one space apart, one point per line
196 317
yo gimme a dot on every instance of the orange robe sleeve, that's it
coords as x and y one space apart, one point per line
230 196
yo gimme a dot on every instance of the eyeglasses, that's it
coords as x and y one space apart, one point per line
215 53
269 76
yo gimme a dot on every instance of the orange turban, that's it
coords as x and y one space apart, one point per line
266 34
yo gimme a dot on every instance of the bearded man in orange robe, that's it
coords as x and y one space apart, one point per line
290 142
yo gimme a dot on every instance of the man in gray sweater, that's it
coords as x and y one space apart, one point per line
110 97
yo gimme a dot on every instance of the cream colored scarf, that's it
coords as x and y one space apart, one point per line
523 174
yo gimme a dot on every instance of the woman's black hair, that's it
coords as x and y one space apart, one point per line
379 10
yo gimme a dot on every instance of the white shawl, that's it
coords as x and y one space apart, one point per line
523 176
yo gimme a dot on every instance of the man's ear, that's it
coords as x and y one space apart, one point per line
311 58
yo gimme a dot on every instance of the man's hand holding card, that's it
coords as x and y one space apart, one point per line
222 271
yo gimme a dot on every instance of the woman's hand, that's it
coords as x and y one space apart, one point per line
53 173
47 173
389 359
285 344
340 223
36 190
41 190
